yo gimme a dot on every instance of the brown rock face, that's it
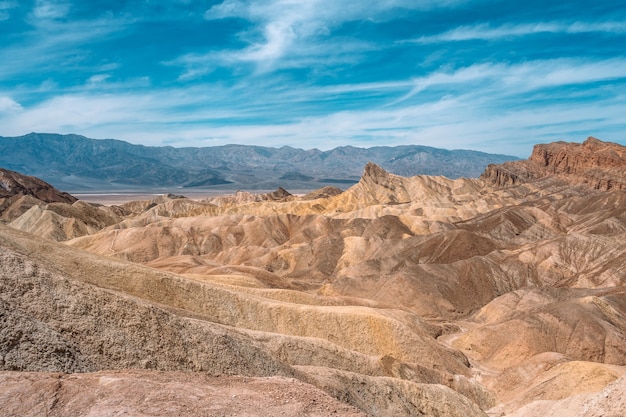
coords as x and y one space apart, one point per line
599 165
572 158
18 193
15 184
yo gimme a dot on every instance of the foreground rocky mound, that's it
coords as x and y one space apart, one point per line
163 394
600 165
70 311
399 296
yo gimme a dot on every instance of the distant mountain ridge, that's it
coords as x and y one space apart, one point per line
74 162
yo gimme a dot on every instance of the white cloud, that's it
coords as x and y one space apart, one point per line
5 7
98 79
487 32
295 33
57 44
8 105
284 27
510 79
452 124
228 8
48 9
280 53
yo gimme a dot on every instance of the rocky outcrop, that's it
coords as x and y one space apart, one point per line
324 192
280 194
573 158
15 184
597 164
511 173
244 197
18 193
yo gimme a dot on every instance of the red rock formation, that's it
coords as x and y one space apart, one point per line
600 165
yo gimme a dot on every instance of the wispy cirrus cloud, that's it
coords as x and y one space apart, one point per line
296 34
485 31
273 56
512 79
5 9
50 9
56 44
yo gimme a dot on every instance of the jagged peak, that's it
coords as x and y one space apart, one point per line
278 194
374 171
592 144
593 141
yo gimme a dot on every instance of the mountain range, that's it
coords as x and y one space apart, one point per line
76 163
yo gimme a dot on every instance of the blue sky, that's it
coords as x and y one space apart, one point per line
495 76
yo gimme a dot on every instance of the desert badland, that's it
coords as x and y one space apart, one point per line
502 295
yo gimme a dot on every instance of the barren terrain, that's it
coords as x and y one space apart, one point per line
400 296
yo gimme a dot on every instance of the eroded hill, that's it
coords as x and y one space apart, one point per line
399 296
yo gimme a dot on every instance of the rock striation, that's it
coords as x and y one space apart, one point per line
599 165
